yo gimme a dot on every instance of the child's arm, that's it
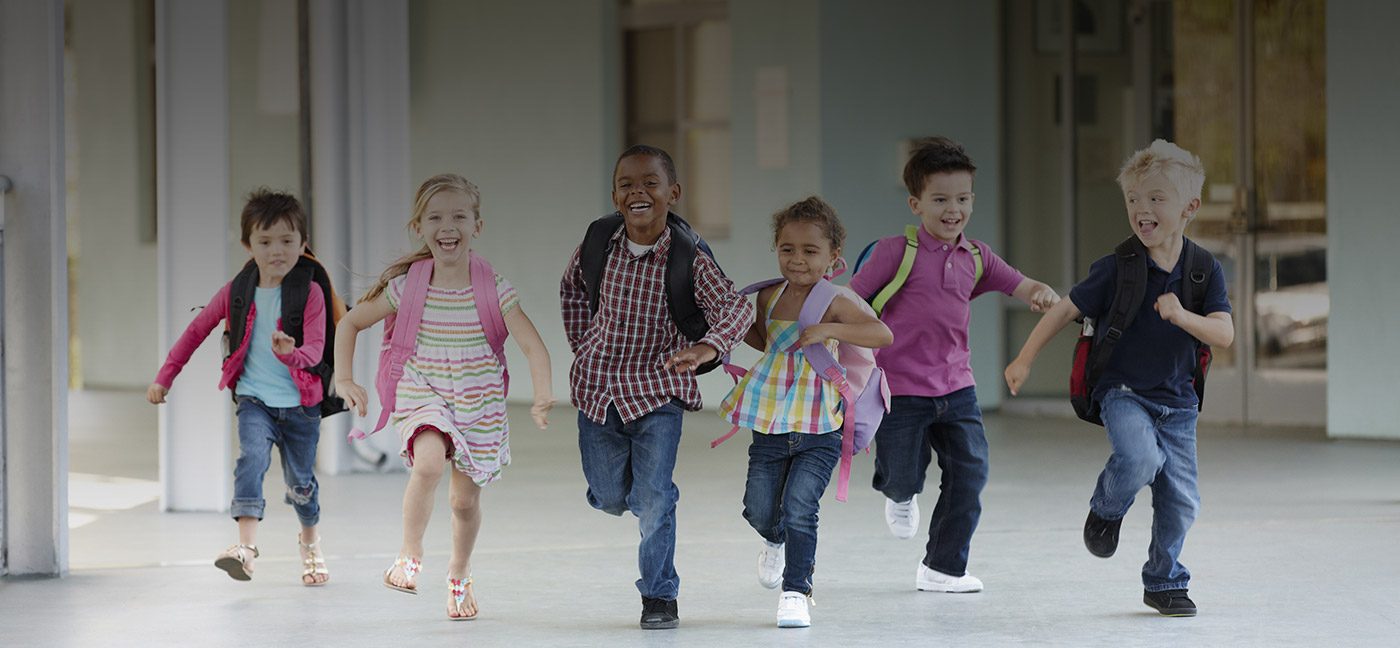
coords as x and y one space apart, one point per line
208 318
1216 329
313 334
361 317
1040 296
573 302
523 330
1059 317
757 335
727 312
847 322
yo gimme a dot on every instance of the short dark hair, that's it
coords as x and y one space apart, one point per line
265 208
812 210
644 150
934 155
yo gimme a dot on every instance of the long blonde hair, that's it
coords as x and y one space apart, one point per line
430 187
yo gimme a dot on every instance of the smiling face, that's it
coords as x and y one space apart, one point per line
804 253
1156 212
945 205
643 193
448 225
275 250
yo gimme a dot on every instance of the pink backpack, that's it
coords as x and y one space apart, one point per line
864 392
401 329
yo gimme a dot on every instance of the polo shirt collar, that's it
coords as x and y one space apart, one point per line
928 239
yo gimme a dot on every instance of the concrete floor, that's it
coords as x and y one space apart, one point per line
1296 545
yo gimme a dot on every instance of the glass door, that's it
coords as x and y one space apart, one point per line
1242 84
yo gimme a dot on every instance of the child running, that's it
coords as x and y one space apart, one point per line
270 371
796 416
442 379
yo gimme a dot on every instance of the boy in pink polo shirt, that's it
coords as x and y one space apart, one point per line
934 405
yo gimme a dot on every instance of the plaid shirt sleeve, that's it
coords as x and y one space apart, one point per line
727 312
573 302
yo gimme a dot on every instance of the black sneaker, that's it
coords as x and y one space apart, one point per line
1101 536
1172 603
659 614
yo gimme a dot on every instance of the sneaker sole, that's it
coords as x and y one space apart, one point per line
793 623
1169 613
768 585
943 590
661 625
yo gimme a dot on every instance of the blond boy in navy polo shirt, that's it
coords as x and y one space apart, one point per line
1147 399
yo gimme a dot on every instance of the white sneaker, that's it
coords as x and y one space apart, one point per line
792 610
770 565
929 580
903 517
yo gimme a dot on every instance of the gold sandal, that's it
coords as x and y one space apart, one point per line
233 560
410 566
313 564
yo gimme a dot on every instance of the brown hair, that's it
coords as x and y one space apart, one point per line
812 210
430 187
265 208
934 155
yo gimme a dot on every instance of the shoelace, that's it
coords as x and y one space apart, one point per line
903 512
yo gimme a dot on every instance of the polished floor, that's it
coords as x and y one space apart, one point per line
1298 543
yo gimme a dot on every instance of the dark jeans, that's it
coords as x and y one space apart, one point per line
628 467
916 428
295 431
787 475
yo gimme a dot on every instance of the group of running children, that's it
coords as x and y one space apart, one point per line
645 307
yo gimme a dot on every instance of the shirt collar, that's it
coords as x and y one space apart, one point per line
660 247
928 239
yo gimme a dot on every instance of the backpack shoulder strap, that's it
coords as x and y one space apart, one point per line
906 264
813 309
593 255
410 312
1129 291
488 305
240 299
680 279
295 287
977 264
1198 266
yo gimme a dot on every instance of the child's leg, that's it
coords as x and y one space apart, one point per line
256 434
961 444
1175 502
429 457
814 457
763 490
1136 459
606 453
466 523
902 451
300 432
655 439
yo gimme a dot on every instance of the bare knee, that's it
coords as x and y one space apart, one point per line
465 505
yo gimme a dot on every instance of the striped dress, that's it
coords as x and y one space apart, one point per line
782 393
453 381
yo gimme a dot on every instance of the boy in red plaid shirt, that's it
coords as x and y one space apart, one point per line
633 373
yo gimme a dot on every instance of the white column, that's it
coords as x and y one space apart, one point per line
35 250
192 197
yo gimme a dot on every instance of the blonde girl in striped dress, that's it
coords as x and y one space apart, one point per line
795 415
449 405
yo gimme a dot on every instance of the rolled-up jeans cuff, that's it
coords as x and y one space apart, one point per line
247 508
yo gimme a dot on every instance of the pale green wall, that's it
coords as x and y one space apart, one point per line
1363 221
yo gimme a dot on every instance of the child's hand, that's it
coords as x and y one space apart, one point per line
690 359
540 410
355 397
814 334
155 394
283 344
1016 374
1169 307
1044 299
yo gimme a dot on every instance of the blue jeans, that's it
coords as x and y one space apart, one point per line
628 467
916 428
295 431
1153 445
787 475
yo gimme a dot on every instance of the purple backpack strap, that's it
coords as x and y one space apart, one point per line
735 371
488 308
813 310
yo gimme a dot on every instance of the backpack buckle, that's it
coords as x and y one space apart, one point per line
1198 277
1113 333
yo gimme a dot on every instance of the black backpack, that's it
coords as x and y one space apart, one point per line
680 273
1095 348
295 287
